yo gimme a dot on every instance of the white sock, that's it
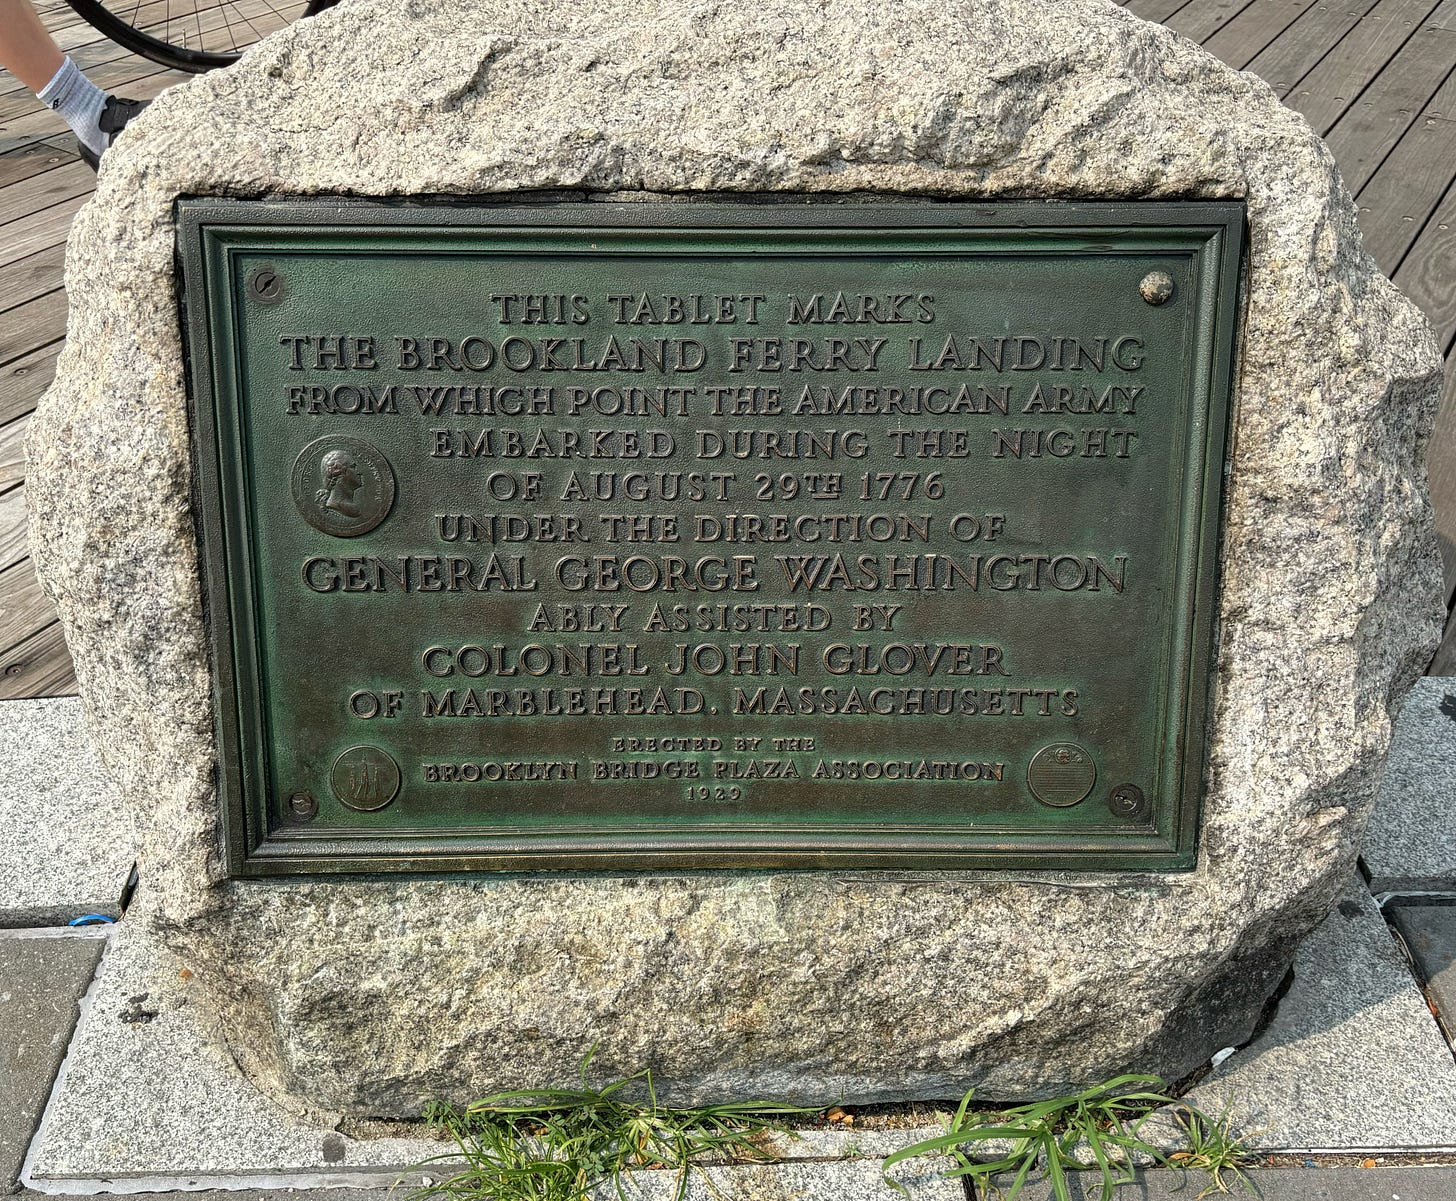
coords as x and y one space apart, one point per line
79 102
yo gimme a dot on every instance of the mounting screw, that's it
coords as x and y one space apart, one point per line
302 807
1127 800
1156 287
266 285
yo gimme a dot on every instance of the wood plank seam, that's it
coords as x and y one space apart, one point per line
1414 124
1426 9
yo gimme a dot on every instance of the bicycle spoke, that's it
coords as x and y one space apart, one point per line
191 35
257 37
226 20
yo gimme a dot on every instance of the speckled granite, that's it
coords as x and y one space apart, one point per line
68 844
371 997
1411 843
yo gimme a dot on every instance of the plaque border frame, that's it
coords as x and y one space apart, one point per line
251 850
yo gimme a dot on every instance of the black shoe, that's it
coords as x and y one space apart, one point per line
115 117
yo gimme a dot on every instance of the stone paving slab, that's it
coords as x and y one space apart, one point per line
1353 1059
1411 841
846 1180
1429 931
42 980
68 847
146 1101
799 1180
1270 1184
1277 1184
145 1097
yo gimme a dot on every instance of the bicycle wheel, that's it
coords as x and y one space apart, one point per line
192 35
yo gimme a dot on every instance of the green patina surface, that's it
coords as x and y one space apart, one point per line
641 536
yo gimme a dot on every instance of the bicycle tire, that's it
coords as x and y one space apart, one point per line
140 34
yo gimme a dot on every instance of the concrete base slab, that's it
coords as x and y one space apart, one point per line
1353 1060
146 1101
1410 844
1429 930
42 980
68 847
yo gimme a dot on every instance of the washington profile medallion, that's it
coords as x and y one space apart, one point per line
343 486
365 778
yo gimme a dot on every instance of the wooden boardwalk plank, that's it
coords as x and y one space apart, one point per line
48 188
23 381
1444 664
113 69
1348 69
24 608
69 29
30 160
1427 274
39 666
96 60
1240 39
12 527
33 324
42 123
1368 132
1154 10
32 276
20 239
1299 48
1201 19
111 77
1411 182
12 451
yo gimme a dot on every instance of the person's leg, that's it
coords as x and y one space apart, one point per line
29 53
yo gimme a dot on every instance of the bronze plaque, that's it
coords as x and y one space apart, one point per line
598 536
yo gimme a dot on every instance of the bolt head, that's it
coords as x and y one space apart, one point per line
302 805
1157 287
266 285
1127 800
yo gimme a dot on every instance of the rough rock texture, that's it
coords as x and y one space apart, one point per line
369 998
146 1102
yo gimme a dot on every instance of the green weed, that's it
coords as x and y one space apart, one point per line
1102 1122
1213 1148
560 1144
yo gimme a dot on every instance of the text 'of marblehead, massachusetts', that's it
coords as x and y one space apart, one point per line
767 536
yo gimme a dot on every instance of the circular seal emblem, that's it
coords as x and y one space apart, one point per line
342 486
365 778
1061 774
